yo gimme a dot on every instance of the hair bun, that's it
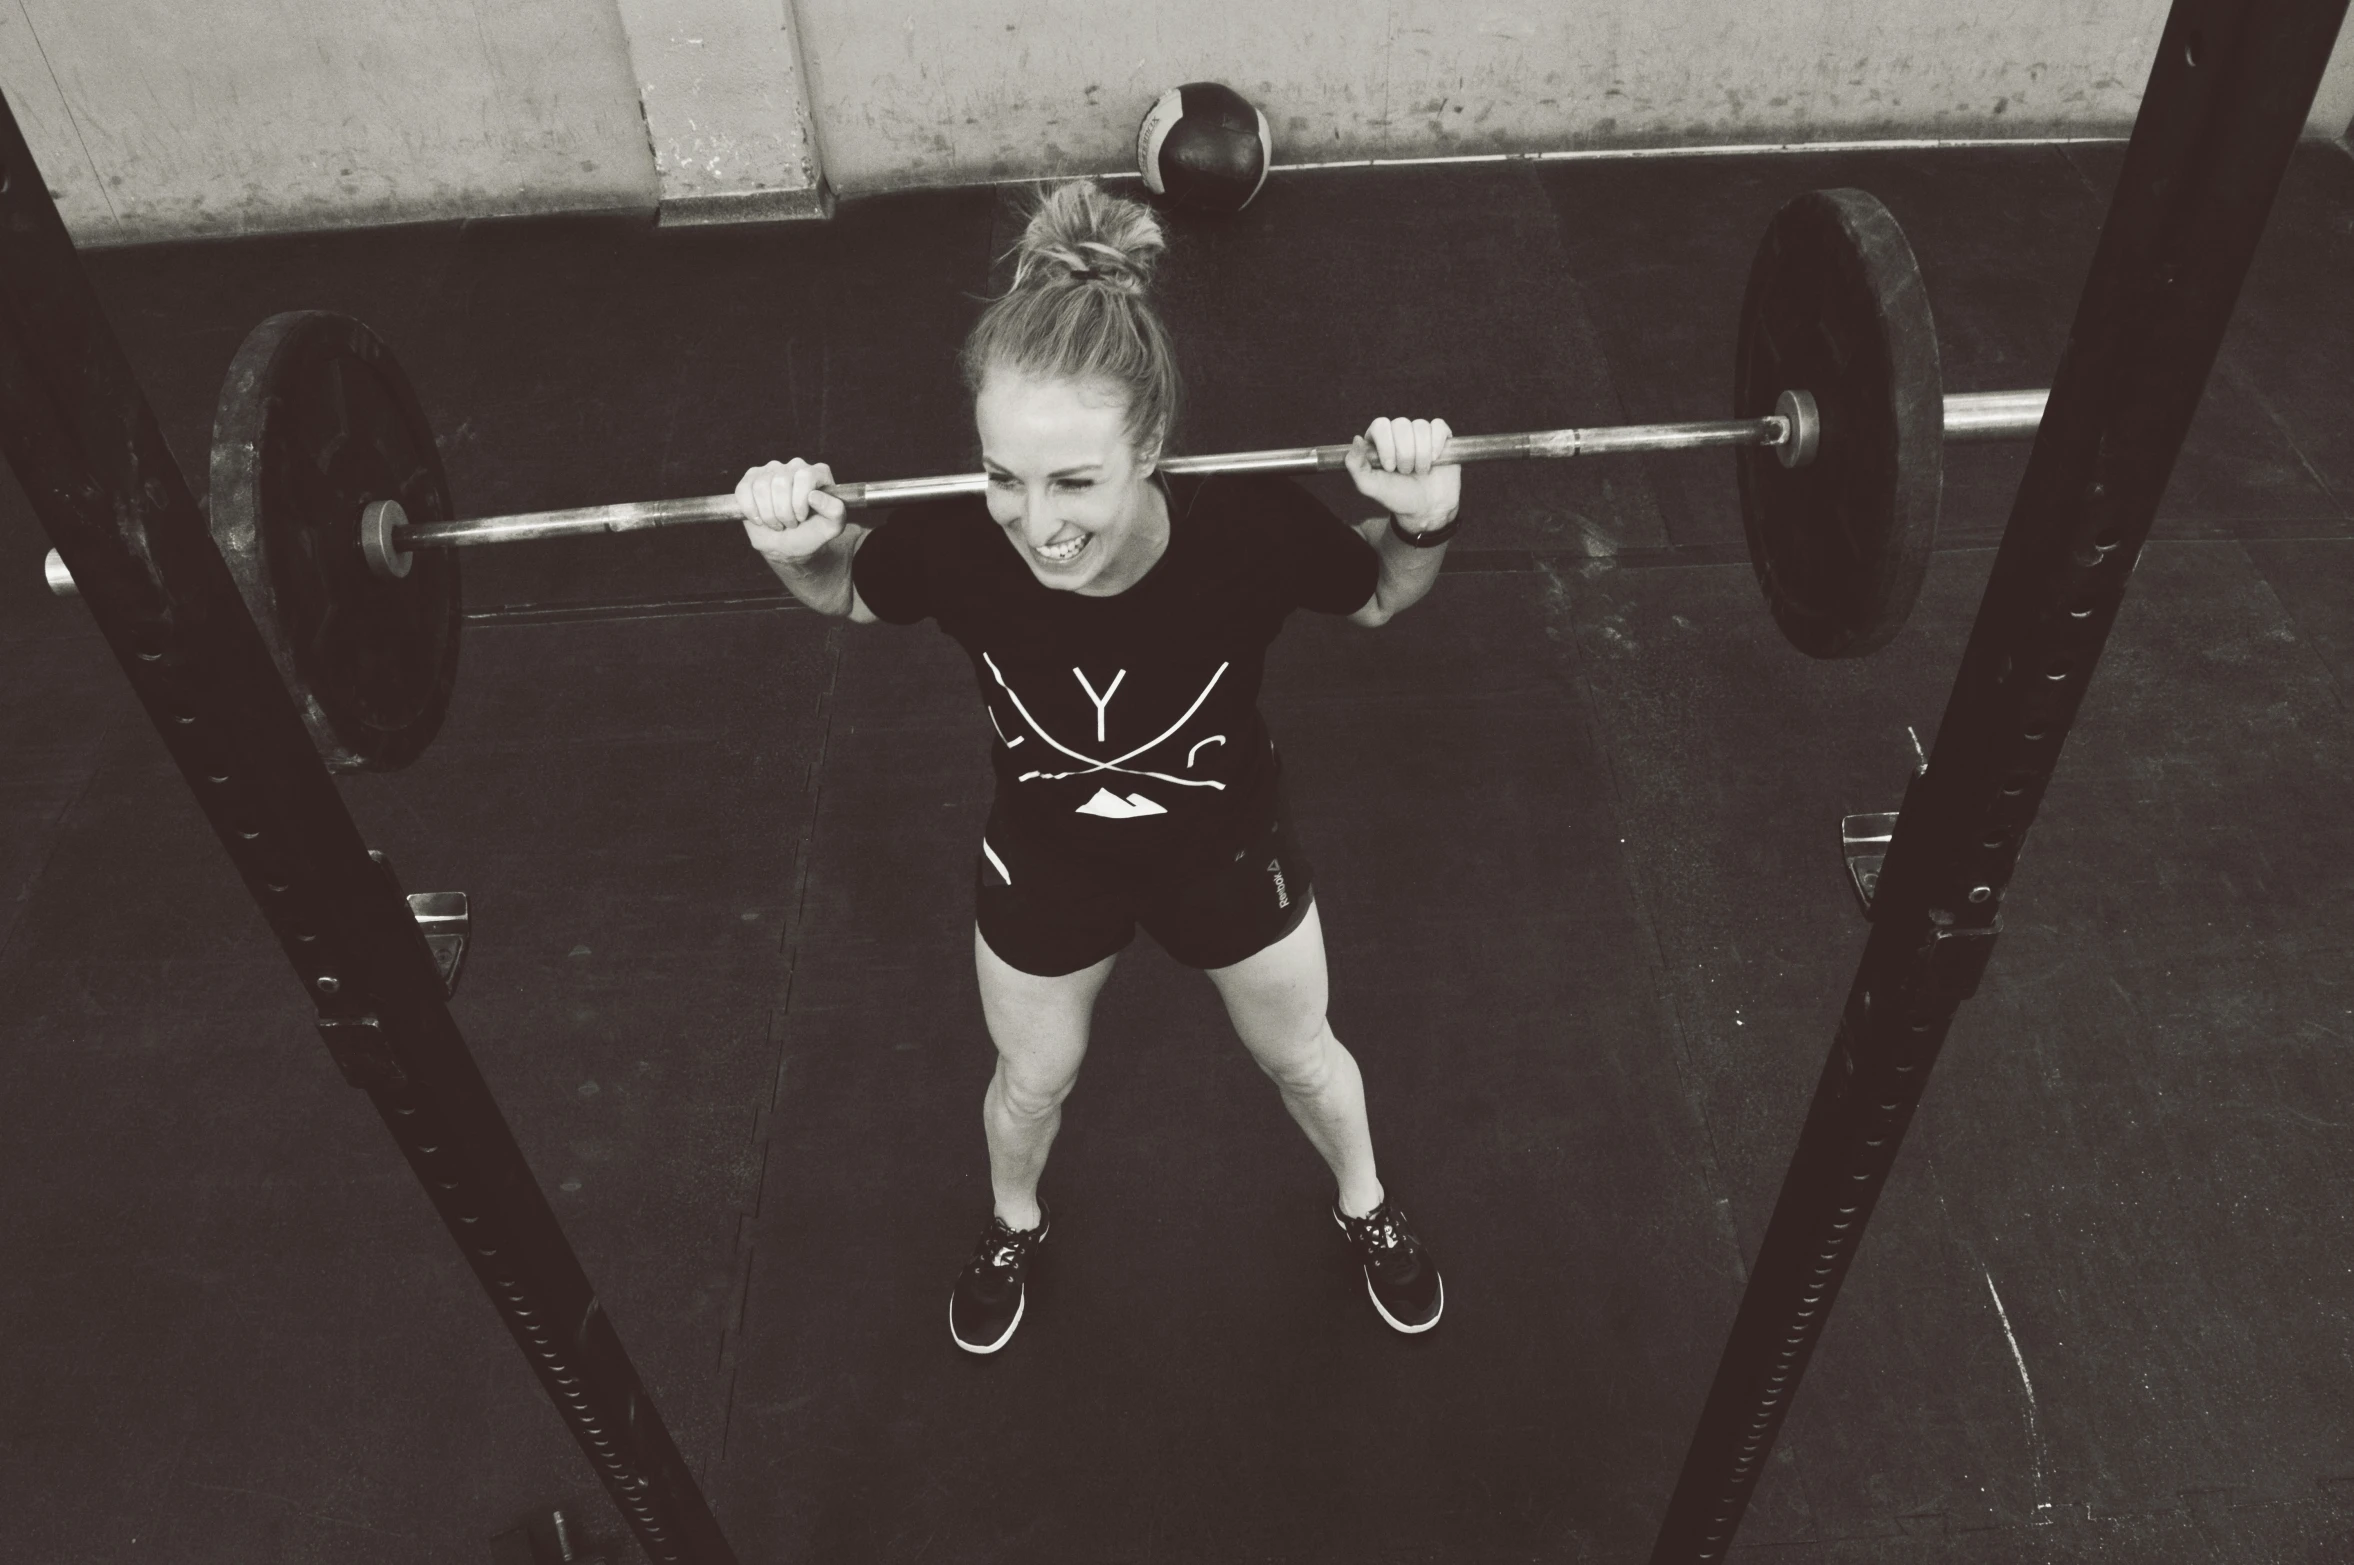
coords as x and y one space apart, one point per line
1081 234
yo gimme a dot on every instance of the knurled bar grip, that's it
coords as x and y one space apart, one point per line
1990 415
87 449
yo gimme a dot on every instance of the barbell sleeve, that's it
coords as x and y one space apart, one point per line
1969 416
1994 415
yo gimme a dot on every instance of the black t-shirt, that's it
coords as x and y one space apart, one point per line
1128 727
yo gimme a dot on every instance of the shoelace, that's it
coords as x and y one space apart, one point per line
1383 1228
1004 1248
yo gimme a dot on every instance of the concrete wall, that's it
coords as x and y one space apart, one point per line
934 91
168 117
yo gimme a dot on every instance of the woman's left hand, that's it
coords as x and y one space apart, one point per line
1395 465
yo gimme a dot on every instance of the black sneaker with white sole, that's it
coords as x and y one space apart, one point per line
991 1291
1400 1277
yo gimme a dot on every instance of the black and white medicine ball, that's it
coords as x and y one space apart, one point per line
1204 147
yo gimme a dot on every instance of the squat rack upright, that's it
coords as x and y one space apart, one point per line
2226 102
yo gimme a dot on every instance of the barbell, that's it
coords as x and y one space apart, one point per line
331 507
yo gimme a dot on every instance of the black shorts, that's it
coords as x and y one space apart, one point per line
1050 914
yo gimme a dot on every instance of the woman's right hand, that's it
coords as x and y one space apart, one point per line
788 515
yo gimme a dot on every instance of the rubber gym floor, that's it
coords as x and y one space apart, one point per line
1576 825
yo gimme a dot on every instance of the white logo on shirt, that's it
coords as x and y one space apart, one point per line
1112 807
1106 803
1101 702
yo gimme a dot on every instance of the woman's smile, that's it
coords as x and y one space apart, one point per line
1064 553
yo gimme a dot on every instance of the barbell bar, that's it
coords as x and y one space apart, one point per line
389 539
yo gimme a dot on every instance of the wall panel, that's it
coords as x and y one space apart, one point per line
231 115
936 91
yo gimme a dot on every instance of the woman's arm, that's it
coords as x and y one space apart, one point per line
1394 465
801 531
1407 570
822 580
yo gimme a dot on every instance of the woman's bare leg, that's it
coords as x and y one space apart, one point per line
1040 1028
1276 1000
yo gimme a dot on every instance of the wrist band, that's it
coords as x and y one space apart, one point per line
1431 539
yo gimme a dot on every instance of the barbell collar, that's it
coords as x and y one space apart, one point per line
381 524
1799 411
1985 415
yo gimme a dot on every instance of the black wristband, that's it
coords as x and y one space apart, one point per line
1428 540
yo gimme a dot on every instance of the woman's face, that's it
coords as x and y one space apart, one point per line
1064 483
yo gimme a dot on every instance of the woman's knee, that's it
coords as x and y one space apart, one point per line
1301 1062
1028 1093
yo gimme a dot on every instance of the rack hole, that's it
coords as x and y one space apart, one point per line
2194 48
2059 668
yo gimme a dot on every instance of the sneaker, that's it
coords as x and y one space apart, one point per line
1400 1277
990 1294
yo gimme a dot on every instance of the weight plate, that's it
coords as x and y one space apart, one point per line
1835 307
315 421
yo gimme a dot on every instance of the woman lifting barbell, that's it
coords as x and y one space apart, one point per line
1118 621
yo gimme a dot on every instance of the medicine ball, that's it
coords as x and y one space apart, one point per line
1204 147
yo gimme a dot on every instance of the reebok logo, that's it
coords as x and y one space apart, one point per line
1282 893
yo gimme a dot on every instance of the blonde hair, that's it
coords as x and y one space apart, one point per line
1078 308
